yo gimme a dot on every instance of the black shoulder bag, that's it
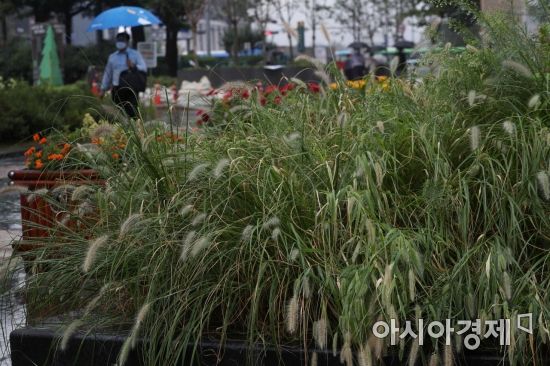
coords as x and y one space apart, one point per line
134 79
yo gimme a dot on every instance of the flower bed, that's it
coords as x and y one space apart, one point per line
303 219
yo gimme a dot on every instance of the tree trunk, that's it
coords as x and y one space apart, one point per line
194 30
235 46
138 35
97 10
68 19
172 49
290 47
4 30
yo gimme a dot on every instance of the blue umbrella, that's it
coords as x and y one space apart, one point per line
123 16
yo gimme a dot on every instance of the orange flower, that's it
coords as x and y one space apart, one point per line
30 151
96 141
38 164
36 137
38 155
115 156
55 157
66 148
42 141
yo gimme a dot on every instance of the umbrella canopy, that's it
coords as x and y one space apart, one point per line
50 72
358 45
404 44
123 16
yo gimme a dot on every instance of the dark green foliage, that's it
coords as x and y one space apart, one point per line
28 109
16 60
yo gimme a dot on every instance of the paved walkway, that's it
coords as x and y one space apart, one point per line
12 311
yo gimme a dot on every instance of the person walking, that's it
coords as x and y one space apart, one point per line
123 60
357 64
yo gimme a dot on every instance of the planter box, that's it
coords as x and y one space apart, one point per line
37 346
37 215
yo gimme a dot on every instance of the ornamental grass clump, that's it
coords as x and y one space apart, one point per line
420 205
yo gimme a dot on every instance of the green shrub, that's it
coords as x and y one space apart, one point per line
28 109
79 59
16 60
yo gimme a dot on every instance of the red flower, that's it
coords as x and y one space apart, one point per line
263 101
277 99
36 137
286 88
270 89
203 117
245 94
314 87
227 96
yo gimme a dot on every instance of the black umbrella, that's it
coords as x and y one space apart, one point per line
356 45
377 48
404 44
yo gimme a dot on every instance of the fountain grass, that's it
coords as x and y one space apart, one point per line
312 220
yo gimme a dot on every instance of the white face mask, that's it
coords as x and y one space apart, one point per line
121 45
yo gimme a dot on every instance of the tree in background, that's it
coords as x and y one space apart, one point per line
234 12
260 11
362 17
65 10
194 10
234 42
172 14
316 10
286 9
7 7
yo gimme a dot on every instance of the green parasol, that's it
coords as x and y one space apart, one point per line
50 72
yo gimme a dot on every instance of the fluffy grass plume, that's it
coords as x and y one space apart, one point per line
69 331
320 333
544 184
292 314
91 253
220 167
197 171
365 356
475 137
128 224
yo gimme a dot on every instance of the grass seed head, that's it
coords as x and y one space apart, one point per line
220 167
534 101
475 136
413 353
271 222
320 332
200 245
247 233
434 360
292 315
448 356
365 355
127 225
275 234
509 127
314 359
91 253
36 193
197 171
544 184
69 331
199 219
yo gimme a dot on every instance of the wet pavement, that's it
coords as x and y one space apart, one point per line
12 310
